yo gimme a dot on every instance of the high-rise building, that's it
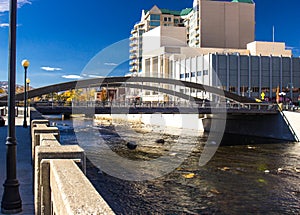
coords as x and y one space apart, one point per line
213 24
149 20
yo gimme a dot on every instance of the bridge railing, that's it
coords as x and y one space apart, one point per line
60 184
204 104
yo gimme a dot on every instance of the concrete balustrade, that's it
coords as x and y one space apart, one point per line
36 133
86 200
60 184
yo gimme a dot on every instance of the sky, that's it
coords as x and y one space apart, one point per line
66 40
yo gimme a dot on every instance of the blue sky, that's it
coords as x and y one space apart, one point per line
64 39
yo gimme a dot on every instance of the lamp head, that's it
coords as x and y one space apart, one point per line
27 81
25 63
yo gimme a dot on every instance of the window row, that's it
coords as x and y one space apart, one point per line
193 74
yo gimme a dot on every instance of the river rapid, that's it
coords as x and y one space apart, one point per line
239 179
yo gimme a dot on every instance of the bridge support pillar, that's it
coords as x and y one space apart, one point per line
65 116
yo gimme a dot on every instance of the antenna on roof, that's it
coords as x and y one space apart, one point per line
273 34
273 38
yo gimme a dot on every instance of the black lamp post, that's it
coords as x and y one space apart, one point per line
27 86
11 200
25 64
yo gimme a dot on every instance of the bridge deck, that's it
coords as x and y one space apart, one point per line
150 110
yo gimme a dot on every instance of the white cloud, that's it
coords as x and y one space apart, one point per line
96 76
4 25
71 76
4 6
110 64
50 69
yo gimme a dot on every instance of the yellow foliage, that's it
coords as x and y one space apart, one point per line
103 94
189 175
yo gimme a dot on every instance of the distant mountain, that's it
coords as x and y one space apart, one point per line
4 87
4 84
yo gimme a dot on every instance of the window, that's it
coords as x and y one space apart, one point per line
181 76
170 19
176 21
187 75
165 19
199 73
193 74
196 8
154 17
154 23
205 72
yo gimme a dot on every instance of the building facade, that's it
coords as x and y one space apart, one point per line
245 75
149 20
213 24
222 24
217 48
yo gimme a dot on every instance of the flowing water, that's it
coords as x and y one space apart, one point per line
242 179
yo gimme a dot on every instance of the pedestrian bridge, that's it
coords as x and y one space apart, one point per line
143 83
242 111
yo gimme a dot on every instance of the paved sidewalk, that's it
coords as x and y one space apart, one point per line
24 167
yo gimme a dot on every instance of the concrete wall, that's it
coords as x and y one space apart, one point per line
294 119
163 36
226 24
268 126
268 48
190 122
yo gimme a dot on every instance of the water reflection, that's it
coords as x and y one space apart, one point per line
245 179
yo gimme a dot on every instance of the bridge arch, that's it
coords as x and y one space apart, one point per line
119 81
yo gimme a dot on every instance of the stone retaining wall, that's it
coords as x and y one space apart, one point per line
60 184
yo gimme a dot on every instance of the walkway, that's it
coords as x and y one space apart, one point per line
24 168
294 120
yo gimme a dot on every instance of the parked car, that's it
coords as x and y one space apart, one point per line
2 121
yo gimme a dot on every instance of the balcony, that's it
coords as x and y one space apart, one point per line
133 69
133 56
133 31
133 50
133 63
133 44
133 37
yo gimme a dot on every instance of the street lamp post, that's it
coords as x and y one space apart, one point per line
25 64
27 86
11 200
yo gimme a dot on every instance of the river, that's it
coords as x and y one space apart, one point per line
240 179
